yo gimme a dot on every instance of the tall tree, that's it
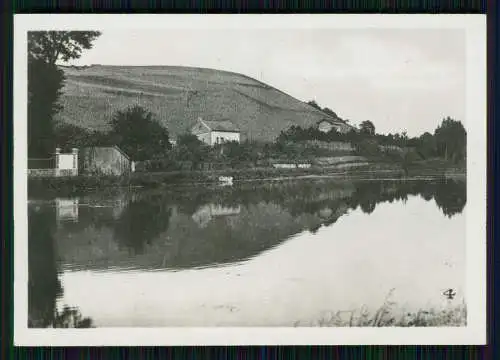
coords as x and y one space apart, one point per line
51 46
367 127
136 132
45 81
451 140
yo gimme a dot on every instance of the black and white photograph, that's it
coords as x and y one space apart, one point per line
249 179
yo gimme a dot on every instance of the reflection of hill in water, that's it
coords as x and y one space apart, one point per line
203 227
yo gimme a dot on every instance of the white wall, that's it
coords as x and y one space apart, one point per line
205 137
226 136
65 161
325 126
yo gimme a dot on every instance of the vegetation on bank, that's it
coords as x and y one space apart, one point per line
390 314
69 186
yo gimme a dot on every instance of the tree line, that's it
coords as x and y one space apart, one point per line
449 140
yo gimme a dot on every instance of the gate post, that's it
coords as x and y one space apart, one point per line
57 154
75 161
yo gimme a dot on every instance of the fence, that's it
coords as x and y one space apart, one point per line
62 164
52 172
46 163
333 145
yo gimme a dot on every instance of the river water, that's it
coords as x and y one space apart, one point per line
253 254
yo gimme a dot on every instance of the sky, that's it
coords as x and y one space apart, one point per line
400 79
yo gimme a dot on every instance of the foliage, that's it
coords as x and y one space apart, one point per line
50 46
45 81
314 104
368 147
326 110
390 314
68 136
190 148
426 145
451 140
448 141
141 222
330 112
367 127
137 133
44 285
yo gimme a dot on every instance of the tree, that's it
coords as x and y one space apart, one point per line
367 127
45 81
136 132
50 46
451 140
141 222
314 104
330 112
427 145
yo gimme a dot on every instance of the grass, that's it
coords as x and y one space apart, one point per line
177 96
390 314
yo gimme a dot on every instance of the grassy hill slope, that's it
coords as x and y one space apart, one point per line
178 95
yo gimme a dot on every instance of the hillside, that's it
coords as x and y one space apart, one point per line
178 95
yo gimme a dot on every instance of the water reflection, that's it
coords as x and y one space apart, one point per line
44 285
192 228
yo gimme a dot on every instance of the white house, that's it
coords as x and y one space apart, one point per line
325 125
216 132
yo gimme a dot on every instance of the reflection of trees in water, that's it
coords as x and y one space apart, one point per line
205 229
141 221
301 198
44 286
450 197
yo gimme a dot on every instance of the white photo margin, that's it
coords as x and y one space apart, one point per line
476 114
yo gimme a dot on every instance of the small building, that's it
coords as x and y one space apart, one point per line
216 132
109 160
61 164
326 125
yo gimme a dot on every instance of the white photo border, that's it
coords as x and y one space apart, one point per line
476 114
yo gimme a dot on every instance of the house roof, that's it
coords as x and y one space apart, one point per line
109 147
336 121
220 125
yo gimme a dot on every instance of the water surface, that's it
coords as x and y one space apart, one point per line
253 254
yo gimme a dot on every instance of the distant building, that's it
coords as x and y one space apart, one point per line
109 160
216 132
325 125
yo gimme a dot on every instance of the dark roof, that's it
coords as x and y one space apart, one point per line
221 125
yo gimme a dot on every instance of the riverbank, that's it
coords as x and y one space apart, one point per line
390 314
65 186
